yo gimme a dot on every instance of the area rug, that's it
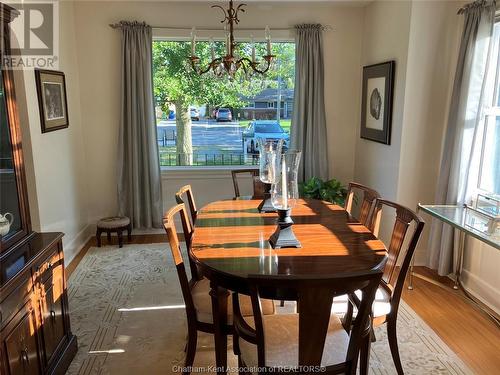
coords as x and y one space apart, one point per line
127 311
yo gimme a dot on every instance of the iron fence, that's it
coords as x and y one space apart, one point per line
166 137
172 159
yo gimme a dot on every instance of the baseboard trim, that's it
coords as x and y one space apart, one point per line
73 248
481 290
73 263
420 258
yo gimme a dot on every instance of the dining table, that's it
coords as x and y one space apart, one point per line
230 244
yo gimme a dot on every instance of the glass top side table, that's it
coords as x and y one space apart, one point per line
458 217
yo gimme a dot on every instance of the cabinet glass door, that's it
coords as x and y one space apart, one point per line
10 217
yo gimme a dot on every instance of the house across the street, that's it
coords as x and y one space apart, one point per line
264 105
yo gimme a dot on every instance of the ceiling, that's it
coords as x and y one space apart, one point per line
340 2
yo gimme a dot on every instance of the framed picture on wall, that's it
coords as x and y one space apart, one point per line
53 106
376 102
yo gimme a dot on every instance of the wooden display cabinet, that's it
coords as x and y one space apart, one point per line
35 331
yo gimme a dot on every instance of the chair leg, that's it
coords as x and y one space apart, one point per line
347 319
109 237
236 345
373 337
191 349
393 344
129 232
242 367
120 239
364 355
98 237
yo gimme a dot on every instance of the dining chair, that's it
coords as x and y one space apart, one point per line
179 198
196 291
186 189
258 186
386 304
367 203
312 337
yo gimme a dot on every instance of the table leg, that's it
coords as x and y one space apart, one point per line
410 277
458 269
219 313
410 281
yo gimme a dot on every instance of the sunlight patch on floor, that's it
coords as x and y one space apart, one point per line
110 351
150 308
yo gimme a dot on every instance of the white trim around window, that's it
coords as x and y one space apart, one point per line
243 35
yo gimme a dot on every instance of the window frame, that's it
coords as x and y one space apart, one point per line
489 113
246 35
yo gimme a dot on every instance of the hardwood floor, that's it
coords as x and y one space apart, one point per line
462 326
467 331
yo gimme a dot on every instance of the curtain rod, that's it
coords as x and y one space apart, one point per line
118 25
476 4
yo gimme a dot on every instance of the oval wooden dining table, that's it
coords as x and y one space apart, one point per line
230 243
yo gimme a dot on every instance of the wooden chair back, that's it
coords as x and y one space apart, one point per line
186 189
173 240
367 203
258 186
314 298
394 275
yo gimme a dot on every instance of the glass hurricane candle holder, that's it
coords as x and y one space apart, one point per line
284 195
270 151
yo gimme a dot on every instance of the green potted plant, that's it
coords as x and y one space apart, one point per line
331 191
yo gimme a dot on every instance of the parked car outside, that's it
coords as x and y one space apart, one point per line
268 129
195 114
223 114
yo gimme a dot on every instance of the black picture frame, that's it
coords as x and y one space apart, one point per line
52 99
376 102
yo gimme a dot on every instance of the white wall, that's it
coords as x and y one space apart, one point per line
417 36
480 273
99 65
386 26
56 166
423 38
432 55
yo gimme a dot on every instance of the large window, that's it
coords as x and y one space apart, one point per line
488 139
204 120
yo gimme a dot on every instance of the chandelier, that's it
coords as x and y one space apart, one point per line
230 63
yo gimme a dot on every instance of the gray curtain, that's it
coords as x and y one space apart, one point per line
139 179
464 120
308 130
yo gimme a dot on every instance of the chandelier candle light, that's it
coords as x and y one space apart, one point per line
284 196
270 151
230 64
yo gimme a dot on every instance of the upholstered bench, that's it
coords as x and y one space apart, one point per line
116 224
